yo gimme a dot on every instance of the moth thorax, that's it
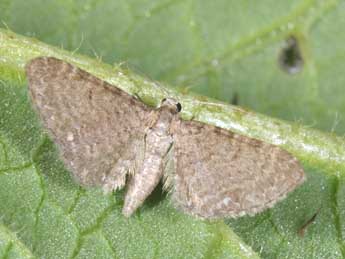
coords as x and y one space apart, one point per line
164 120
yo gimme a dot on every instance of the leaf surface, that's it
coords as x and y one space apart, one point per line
227 50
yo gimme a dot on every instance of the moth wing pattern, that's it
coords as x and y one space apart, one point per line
91 121
220 174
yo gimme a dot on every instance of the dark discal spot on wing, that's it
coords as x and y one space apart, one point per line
222 174
90 121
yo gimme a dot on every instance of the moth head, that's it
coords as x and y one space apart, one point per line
171 104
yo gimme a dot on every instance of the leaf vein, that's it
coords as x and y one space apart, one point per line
7 250
337 221
95 227
4 148
15 168
79 194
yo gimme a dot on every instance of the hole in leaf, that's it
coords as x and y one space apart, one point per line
290 58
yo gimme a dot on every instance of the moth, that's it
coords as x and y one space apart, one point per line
109 138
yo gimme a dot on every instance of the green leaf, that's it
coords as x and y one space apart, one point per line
11 246
221 49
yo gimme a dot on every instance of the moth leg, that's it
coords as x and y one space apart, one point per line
169 170
152 118
129 162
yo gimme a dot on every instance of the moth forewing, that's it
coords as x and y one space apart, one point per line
223 174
